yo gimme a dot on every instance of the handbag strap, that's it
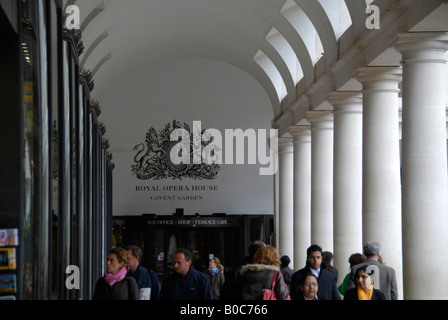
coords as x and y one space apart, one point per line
273 280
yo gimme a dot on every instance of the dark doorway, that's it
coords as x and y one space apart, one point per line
203 243
205 237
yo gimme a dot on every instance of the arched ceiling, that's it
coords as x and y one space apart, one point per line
122 37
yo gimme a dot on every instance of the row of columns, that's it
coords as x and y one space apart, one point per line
340 179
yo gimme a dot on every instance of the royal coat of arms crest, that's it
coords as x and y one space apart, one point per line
153 161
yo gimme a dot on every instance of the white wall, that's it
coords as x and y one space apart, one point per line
189 89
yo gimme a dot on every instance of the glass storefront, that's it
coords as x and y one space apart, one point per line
36 147
59 196
225 237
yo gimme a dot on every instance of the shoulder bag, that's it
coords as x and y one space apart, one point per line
269 294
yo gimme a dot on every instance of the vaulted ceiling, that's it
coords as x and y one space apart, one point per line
286 45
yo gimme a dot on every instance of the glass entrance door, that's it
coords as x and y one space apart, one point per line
203 243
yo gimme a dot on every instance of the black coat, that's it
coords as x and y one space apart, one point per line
327 287
126 289
352 294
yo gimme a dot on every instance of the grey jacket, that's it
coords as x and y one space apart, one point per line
287 273
216 282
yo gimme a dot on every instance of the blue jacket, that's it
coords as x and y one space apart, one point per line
147 279
194 286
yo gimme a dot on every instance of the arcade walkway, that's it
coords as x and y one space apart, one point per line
356 89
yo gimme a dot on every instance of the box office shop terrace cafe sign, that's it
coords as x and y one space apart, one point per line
176 152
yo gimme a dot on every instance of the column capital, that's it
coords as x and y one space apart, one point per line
345 101
379 78
299 130
285 145
300 133
320 119
422 46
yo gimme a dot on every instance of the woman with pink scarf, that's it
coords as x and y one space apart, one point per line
115 285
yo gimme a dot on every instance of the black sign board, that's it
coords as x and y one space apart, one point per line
195 222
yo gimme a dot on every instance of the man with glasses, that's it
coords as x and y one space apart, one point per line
326 284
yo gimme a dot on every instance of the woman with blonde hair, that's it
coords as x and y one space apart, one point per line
215 275
260 275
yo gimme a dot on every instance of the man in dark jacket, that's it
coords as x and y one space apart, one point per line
186 283
327 286
146 279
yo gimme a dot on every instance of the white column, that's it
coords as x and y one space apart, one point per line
381 164
286 202
321 178
302 193
400 126
276 202
446 82
425 181
347 177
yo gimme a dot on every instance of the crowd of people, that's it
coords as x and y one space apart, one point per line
263 270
